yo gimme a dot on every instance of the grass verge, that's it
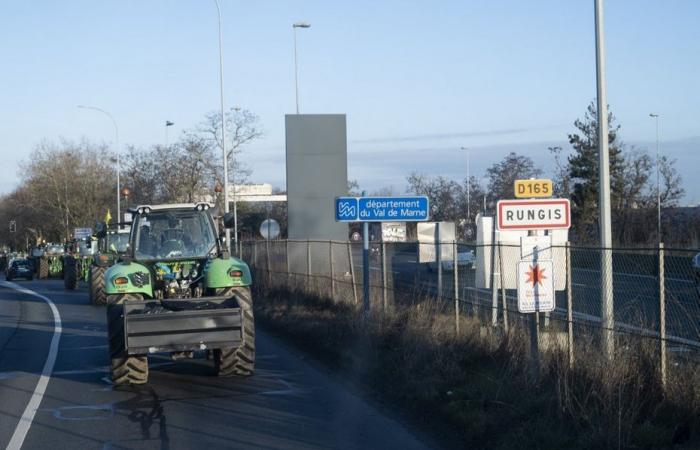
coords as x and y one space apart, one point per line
476 388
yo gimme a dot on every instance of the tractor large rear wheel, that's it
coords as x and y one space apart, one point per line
70 273
43 268
238 361
96 284
125 369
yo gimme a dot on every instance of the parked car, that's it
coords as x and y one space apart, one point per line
465 258
19 268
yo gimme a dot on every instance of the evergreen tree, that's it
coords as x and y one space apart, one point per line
584 172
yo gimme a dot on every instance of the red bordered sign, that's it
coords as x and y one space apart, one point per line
545 214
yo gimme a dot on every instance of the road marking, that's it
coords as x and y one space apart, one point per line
25 422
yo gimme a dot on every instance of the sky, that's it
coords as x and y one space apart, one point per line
417 79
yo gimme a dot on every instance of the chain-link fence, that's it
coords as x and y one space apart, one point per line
655 294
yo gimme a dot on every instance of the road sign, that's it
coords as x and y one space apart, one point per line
533 188
534 214
381 209
269 229
536 286
82 233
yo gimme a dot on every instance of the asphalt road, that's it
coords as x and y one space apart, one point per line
288 404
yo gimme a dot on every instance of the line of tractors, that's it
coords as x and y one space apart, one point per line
85 259
169 284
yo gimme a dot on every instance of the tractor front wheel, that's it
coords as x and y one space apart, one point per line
96 285
125 369
43 268
70 274
238 361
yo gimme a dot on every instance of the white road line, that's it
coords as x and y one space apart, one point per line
25 422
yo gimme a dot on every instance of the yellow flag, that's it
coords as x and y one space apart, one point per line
108 217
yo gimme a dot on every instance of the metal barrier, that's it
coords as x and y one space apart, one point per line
655 290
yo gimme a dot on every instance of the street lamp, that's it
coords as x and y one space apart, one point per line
116 150
168 123
223 137
658 190
469 197
296 75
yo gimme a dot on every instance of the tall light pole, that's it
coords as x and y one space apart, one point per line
606 279
296 74
658 184
116 150
469 196
223 136
168 123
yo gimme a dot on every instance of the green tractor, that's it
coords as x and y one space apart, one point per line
177 290
50 263
110 247
78 260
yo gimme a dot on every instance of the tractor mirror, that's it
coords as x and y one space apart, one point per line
100 229
228 220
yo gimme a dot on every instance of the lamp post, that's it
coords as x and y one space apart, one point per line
296 75
116 150
658 184
606 278
168 123
469 197
223 135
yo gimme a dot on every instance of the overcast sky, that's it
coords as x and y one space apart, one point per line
417 79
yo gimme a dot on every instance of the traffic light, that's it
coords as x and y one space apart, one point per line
13 226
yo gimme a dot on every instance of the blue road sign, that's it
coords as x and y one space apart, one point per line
381 209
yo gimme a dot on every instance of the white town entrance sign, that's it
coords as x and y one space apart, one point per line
545 214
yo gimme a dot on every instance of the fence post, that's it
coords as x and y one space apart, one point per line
330 257
308 266
455 273
494 291
503 288
569 305
662 313
269 264
289 274
352 272
384 277
438 257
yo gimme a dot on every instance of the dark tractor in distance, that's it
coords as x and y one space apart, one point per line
50 263
112 243
177 290
77 261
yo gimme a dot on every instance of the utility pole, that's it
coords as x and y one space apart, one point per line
606 278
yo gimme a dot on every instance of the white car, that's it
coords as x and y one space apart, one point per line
464 259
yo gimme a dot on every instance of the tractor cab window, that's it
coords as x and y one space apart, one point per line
173 234
117 242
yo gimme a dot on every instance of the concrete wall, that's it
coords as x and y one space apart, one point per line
317 173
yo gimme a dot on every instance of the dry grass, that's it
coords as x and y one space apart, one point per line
474 389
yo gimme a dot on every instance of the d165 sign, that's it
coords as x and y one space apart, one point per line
533 188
